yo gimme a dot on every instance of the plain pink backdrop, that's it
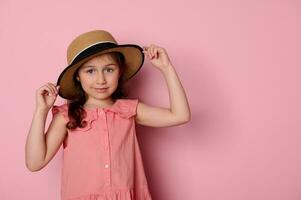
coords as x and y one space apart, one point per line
237 61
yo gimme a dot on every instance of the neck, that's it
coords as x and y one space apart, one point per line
99 104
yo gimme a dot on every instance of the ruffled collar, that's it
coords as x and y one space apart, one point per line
119 107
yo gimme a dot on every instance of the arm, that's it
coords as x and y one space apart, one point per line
40 148
35 146
179 111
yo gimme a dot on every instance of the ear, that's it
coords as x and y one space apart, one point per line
77 78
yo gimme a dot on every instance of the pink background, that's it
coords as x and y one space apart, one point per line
237 61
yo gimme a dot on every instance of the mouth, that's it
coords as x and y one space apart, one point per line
101 89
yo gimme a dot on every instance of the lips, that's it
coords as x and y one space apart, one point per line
101 89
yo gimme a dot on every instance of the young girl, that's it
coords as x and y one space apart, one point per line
96 126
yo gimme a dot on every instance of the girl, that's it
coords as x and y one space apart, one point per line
96 126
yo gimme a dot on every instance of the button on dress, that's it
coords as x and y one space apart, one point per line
102 161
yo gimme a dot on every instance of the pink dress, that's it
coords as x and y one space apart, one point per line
102 161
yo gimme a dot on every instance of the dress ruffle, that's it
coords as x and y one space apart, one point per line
125 108
63 109
127 194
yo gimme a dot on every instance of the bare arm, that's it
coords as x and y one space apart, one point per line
40 148
35 147
179 111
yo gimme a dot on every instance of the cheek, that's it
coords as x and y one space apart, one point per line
86 82
114 77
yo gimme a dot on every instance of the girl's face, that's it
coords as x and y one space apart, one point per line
99 72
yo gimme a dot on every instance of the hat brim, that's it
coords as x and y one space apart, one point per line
132 53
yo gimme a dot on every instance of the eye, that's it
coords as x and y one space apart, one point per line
89 70
110 69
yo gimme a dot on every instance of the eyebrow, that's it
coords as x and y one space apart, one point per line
86 66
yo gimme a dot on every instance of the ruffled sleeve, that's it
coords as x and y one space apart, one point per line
63 109
127 108
133 106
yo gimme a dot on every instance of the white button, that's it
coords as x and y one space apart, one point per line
106 165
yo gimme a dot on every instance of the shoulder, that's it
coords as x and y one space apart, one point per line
59 108
127 106
63 109
128 102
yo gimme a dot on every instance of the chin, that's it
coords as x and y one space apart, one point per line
105 94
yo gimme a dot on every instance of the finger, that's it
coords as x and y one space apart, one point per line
156 53
152 52
148 52
50 90
51 87
44 90
54 88
58 88
155 49
144 49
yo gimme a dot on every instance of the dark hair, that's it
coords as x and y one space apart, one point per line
76 112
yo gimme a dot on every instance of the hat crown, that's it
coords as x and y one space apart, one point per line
86 40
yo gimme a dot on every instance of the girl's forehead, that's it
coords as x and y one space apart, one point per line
101 60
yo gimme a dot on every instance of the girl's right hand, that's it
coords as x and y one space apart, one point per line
46 96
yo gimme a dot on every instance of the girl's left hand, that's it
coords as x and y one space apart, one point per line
158 56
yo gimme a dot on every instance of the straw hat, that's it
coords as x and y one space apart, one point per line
90 44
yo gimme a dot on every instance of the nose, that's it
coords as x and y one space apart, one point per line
100 78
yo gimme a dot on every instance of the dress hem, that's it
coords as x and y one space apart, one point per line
117 194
